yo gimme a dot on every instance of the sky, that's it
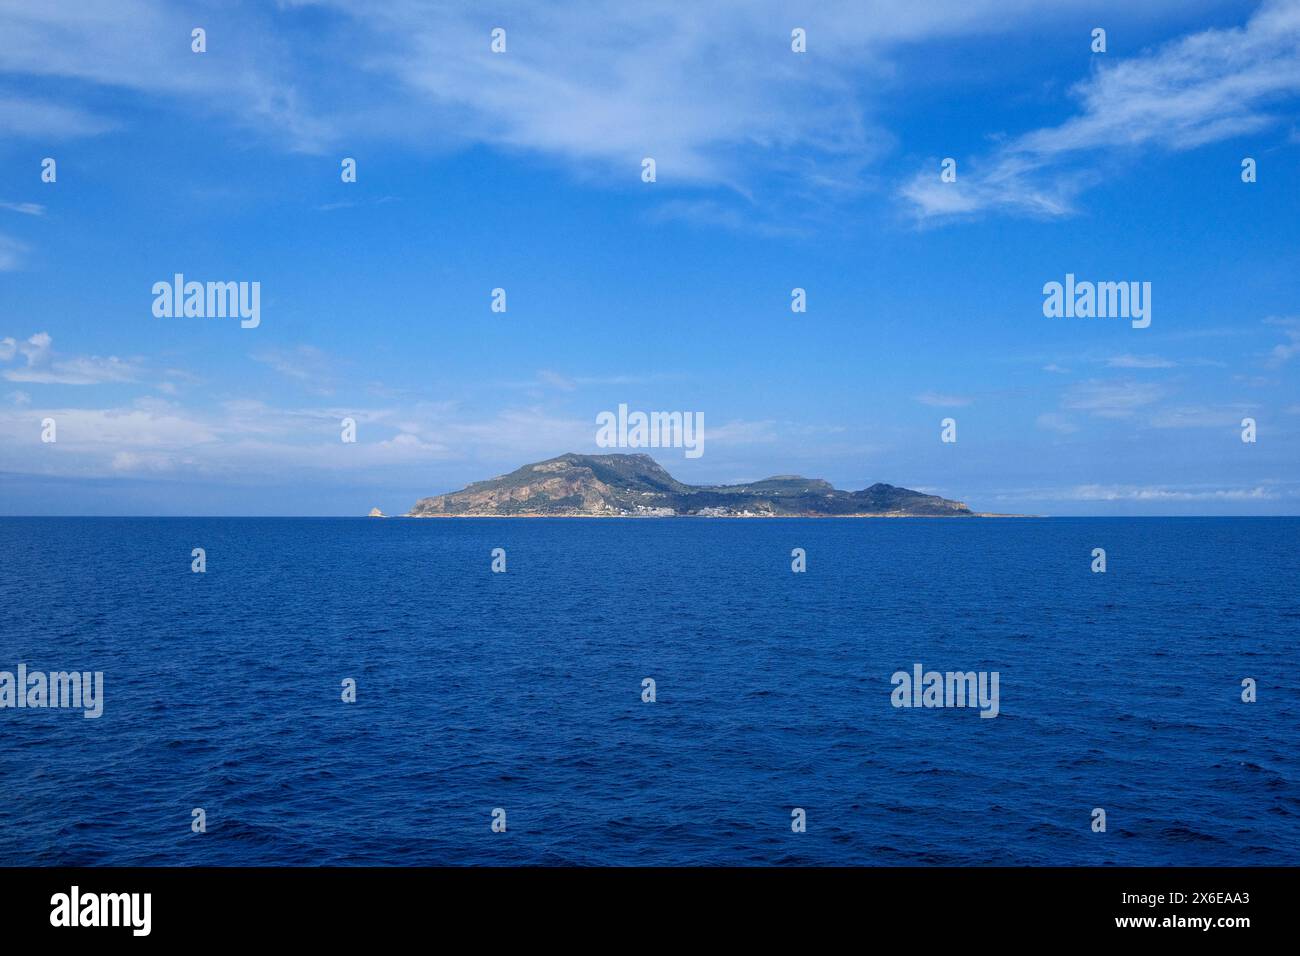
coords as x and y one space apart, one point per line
522 170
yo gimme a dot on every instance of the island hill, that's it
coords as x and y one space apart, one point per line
636 486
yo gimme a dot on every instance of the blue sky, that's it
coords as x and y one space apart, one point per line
775 170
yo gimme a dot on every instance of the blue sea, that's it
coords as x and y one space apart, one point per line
523 691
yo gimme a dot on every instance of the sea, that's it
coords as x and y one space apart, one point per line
504 718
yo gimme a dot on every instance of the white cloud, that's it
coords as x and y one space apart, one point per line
1160 493
1053 422
144 46
26 208
711 213
11 252
1140 361
42 119
45 368
942 400
1201 88
136 462
36 348
711 91
1111 399
305 364
743 433
562 382
1201 416
556 380
246 441
1289 349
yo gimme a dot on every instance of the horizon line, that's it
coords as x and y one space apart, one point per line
643 518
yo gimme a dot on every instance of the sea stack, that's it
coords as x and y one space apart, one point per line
375 513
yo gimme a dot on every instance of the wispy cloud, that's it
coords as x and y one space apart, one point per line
551 379
711 213
556 380
943 400
11 252
305 364
1111 399
1199 89
26 208
142 46
1289 349
711 91
1140 361
33 118
1201 416
1055 422
1162 493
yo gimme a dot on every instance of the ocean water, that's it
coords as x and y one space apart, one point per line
522 691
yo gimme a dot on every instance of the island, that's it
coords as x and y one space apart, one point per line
633 486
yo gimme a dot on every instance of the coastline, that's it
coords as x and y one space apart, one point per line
534 514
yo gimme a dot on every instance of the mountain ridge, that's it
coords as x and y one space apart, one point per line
635 485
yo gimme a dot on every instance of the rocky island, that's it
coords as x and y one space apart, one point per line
636 486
